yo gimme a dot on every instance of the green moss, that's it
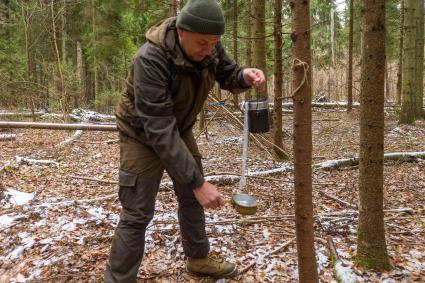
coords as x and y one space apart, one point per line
374 264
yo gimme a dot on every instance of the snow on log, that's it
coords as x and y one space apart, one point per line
74 137
343 273
57 126
395 156
84 115
7 137
29 161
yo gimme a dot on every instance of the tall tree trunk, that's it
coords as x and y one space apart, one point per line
301 50
407 114
95 81
235 44
278 80
248 26
80 73
371 245
63 101
419 59
259 32
63 31
173 8
400 63
26 18
350 59
386 79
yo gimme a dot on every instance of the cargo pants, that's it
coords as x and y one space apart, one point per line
139 178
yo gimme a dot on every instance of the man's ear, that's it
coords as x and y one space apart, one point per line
180 32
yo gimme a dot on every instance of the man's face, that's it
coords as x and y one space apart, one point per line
197 46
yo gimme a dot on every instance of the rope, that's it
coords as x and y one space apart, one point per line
306 67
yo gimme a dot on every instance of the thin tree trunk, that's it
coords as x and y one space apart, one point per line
419 59
387 83
278 80
80 73
235 45
95 73
26 17
307 266
63 31
371 245
63 103
407 115
248 26
259 32
173 8
400 64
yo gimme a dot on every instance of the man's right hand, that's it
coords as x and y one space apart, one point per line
208 196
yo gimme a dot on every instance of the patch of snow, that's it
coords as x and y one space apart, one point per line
97 212
18 198
6 220
231 140
27 243
345 274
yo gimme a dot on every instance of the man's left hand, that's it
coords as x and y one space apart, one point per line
254 77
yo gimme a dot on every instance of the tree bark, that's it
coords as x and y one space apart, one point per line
235 44
173 8
372 249
278 81
407 114
400 63
307 266
63 100
248 25
350 59
419 59
80 73
259 32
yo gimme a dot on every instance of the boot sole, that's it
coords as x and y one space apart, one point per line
228 275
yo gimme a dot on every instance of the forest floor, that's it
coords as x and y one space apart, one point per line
45 236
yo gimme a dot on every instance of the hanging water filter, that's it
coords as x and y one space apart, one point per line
258 115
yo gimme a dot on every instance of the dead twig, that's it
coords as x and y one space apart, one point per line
275 251
340 201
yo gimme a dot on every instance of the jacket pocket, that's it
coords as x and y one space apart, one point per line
127 188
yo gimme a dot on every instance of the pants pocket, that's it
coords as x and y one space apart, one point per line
127 189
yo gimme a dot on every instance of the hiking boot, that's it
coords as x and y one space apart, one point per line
207 266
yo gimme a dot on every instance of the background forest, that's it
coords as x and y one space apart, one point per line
60 55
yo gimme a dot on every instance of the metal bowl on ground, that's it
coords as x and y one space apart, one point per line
244 204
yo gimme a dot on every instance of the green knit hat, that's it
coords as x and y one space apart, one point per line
201 16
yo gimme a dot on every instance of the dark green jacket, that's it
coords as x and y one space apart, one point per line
164 95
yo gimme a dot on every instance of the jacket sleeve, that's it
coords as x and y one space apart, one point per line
154 106
229 73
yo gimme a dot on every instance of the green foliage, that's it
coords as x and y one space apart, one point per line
110 32
106 101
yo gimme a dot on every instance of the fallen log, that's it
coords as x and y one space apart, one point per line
8 137
57 126
70 140
20 114
395 156
343 274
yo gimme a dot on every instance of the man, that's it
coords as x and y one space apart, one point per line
168 85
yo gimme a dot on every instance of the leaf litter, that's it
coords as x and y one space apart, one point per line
46 236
